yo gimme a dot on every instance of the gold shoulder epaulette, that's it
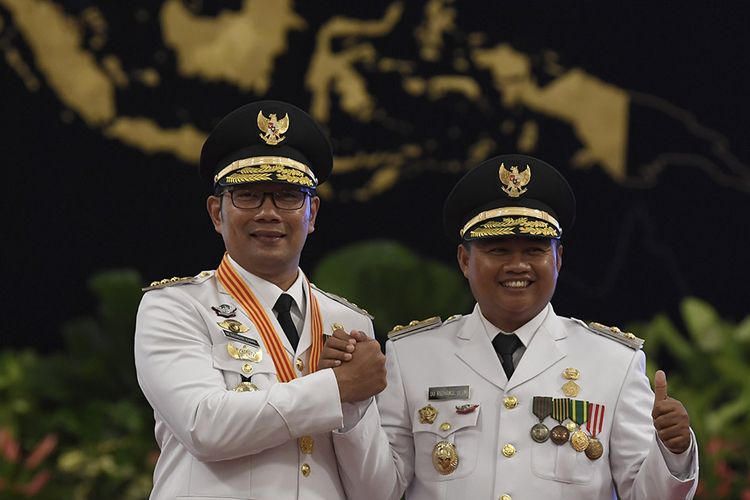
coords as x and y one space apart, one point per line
199 278
343 301
614 333
401 331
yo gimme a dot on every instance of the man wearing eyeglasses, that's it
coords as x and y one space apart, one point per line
228 358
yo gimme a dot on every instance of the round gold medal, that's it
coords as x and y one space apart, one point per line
445 457
246 387
595 449
579 440
559 435
540 433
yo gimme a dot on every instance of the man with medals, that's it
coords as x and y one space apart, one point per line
515 363
228 359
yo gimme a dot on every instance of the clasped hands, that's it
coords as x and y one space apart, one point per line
357 362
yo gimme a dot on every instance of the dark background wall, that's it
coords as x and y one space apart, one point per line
104 108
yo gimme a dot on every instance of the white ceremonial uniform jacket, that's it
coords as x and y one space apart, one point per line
217 443
460 353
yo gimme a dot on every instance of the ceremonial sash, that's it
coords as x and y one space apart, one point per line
241 293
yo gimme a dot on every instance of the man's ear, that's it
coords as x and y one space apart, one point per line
462 255
559 251
314 207
214 205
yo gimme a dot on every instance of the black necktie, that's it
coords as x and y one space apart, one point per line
282 307
505 346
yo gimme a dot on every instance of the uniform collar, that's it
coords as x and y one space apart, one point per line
525 333
268 292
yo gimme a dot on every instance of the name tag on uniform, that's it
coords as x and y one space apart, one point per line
241 338
448 392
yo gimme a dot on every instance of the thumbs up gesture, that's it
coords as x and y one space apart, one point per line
670 417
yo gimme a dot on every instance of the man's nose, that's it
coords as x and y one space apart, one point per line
517 262
267 209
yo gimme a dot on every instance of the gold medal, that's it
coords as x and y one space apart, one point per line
595 449
579 440
571 389
246 387
427 414
306 444
445 457
559 435
571 426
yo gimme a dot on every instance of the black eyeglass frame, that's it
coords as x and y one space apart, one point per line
305 192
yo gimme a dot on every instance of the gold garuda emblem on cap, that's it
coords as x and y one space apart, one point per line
514 181
272 128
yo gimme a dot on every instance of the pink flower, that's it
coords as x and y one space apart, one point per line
42 450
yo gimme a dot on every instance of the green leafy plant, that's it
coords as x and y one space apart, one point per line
88 397
396 284
707 369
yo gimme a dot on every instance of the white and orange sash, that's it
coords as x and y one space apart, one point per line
241 293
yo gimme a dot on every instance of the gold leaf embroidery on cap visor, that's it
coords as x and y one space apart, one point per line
513 226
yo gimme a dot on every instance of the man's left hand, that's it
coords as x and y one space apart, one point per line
671 419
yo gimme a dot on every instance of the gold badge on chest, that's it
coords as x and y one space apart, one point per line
427 414
445 457
245 353
571 388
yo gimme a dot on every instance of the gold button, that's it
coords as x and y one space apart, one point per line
336 326
445 426
510 402
299 364
305 470
247 368
505 497
509 450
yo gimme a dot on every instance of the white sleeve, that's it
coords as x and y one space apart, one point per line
173 358
376 457
638 466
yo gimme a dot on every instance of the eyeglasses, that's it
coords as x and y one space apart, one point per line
288 199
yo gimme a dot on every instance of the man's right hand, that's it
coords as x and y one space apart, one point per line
360 372
338 348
